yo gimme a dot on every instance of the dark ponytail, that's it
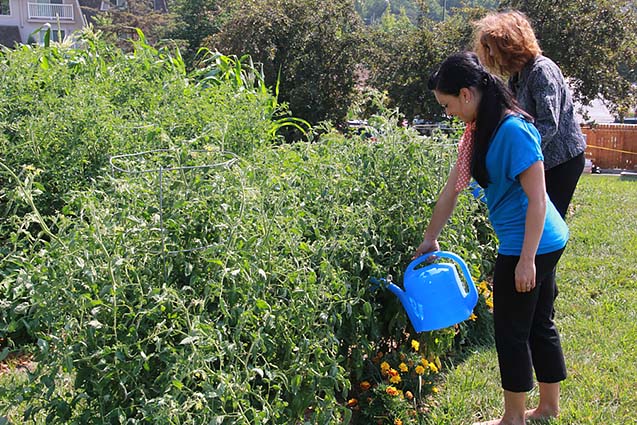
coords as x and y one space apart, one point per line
464 70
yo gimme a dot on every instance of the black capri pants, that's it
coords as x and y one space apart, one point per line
525 334
561 182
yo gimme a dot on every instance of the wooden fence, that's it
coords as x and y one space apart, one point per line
612 146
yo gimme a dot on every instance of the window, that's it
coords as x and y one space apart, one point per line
4 7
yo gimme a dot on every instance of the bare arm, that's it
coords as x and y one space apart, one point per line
442 211
532 180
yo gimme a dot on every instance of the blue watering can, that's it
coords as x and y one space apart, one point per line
434 296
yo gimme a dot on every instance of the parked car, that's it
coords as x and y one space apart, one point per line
627 120
427 128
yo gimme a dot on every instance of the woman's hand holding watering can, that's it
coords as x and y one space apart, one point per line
425 247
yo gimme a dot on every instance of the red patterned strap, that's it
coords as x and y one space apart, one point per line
465 150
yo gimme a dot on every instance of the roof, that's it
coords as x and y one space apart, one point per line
597 112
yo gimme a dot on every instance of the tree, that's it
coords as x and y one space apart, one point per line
309 48
198 20
372 10
121 23
593 41
402 58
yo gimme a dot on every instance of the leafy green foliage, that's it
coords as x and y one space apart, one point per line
401 58
174 263
197 20
307 48
120 23
269 319
65 112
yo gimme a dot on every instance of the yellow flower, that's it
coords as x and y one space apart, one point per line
392 391
434 390
420 370
397 421
384 366
433 367
415 345
473 317
484 286
394 376
489 303
352 402
365 385
403 367
409 395
425 363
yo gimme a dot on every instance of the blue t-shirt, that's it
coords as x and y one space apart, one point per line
513 149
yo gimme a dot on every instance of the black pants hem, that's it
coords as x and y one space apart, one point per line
525 333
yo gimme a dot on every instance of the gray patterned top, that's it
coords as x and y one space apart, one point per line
541 91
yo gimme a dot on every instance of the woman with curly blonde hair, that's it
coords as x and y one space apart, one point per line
505 42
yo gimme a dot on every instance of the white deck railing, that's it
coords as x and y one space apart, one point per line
64 12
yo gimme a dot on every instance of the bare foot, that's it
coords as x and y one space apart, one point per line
496 422
540 413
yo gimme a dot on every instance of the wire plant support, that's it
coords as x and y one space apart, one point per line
160 172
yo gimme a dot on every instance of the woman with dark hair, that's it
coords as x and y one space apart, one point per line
501 150
506 44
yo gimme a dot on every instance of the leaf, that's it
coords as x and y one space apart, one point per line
189 340
95 324
262 305
43 345
262 274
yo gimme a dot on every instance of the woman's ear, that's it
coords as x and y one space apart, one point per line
466 95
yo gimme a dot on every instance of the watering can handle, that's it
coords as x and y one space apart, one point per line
473 292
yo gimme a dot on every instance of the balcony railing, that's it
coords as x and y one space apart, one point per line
63 12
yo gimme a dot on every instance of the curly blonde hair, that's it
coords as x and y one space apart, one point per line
512 37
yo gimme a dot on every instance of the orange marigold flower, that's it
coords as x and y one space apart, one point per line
352 402
403 367
424 361
384 366
398 421
392 391
420 370
365 385
409 395
395 379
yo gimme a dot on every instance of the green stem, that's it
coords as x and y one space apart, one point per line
29 201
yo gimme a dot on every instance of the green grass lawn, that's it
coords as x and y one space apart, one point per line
596 315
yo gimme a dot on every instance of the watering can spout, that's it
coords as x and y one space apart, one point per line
398 292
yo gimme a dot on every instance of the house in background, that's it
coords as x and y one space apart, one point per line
19 19
596 112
